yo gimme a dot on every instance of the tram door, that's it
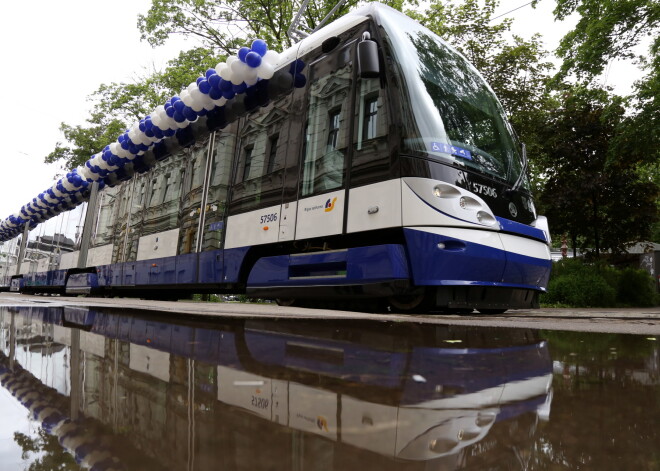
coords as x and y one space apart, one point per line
322 185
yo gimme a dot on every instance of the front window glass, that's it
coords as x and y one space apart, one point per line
456 116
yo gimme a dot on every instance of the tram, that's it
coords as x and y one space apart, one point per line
374 164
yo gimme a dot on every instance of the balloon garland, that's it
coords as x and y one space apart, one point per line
242 74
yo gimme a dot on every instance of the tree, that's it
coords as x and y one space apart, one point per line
587 194
118 105
226 25
608 30
48 454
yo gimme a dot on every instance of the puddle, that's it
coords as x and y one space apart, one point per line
109 389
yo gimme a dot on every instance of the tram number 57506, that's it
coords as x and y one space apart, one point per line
266 218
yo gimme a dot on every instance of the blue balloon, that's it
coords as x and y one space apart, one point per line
229 94
215 93
189 113
179 117
174 99
141 125
170 111
198 79
213 81
158 132
179 106
260 47
169 132
225 85
296 66
204 86
240 88
209 72
299 81
253 59
242 52
202 113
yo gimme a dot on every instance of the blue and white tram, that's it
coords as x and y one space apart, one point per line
376 164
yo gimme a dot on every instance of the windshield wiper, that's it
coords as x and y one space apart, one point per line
516 186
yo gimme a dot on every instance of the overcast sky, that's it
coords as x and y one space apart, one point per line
55 54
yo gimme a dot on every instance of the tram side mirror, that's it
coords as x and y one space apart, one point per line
367 50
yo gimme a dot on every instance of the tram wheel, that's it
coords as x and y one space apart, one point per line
417 302
491 311
286 302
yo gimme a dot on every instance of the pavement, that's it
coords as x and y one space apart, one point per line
639 321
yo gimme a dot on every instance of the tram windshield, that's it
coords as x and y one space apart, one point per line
455 116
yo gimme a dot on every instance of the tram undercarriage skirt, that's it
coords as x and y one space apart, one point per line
486 297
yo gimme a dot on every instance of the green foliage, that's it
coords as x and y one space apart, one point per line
636 288
606 30
226 25
48 454
574 283
117 105
84 141
592 189
587 290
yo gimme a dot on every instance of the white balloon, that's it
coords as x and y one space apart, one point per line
185 98
250 75
272 57
226 74
251 81
155 120
265 70
231 59
220 67
220 101
192 86
182 124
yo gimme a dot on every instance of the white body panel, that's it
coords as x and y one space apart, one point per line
28 267
369 426
419 429
253 228
422 208
43 264
152 362
528 247
313 410
162 244
69 260
280 391
97 256
245 390
288 221
375 206
320 215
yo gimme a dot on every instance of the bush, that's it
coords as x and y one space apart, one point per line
636 288
574 283
580 290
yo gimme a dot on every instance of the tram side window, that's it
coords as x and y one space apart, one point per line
225 143
263 144
194 164
327 127
371 159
